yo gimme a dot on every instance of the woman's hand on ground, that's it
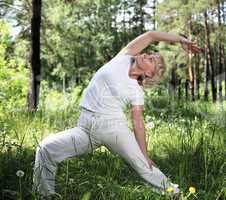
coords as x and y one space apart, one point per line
151 163
189 46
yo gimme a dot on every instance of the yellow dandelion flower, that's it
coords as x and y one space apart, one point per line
169 189
192 190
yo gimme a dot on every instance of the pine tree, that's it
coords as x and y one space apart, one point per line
220 63
210 58
35 76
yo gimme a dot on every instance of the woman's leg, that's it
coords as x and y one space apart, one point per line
123 142
54 149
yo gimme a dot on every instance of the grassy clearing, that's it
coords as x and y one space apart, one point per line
187 142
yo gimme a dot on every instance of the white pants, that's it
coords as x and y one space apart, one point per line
92 131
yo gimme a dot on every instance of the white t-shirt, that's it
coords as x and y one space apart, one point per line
111 88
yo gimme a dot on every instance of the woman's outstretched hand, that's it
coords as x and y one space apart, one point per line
189 46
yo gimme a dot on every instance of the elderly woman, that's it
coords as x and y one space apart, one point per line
102 120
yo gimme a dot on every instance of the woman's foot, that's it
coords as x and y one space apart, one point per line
176 189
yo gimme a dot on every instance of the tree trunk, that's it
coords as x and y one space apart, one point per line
186 88
179 89
223 7
190 66
191 77
210 60
154 5
35 76
173 81
224 61
207 72
197 78
220 63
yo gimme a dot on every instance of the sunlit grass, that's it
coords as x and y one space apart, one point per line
186 141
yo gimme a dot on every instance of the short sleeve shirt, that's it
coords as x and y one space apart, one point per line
111 88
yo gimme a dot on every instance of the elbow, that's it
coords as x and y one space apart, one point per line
152 36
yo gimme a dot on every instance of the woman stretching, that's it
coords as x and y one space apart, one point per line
102 120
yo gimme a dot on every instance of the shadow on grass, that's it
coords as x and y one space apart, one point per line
102 174
106 176
12 159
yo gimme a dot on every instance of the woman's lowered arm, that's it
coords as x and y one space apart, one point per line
139 131
142 41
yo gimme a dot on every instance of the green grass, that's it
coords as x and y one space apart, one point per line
187 143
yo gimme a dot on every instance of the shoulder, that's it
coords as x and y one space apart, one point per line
120 58
123 55
124 52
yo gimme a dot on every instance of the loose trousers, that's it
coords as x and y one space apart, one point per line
92 131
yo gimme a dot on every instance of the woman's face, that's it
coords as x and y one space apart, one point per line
148 62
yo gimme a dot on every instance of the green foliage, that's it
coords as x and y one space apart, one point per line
13 75
179 17
78 37
80 40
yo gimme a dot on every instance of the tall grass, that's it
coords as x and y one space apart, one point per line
187 142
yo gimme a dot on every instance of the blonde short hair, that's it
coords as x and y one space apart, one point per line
160 70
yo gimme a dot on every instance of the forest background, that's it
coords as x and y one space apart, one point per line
49 50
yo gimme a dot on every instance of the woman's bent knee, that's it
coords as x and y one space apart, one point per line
43 151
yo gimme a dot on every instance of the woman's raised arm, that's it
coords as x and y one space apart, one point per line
142 41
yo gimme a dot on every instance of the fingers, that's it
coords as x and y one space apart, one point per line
192 48
186 41
195 49
189 46
151 163
154 164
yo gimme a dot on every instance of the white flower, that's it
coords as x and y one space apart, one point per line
150 125
20 173
71 180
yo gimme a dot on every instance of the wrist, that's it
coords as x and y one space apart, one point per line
182 38
145 154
